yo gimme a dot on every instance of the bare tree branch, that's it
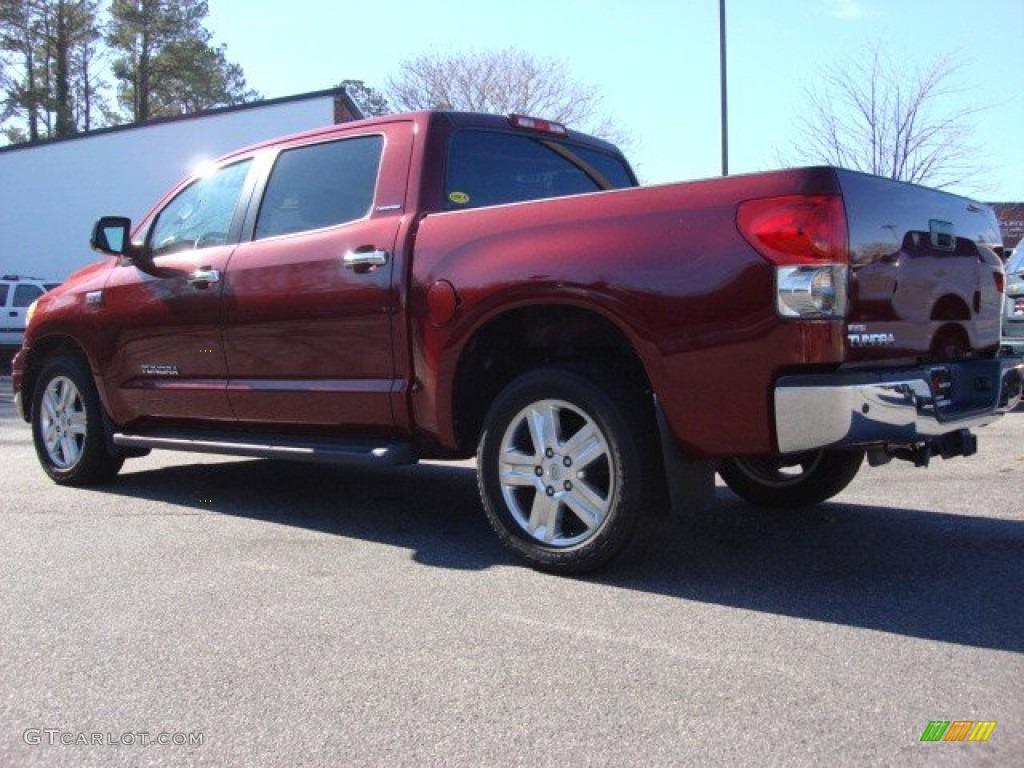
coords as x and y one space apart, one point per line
875 115
500 82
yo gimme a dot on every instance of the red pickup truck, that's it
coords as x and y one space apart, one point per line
439 285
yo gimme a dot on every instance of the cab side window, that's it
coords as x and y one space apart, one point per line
200 215
321 185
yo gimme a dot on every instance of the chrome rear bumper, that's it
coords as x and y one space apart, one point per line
899 407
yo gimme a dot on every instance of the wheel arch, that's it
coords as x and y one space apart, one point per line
41 351
951 308
522 338
949 340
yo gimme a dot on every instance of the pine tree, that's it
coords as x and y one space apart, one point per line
166 64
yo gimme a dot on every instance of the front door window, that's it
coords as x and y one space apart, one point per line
200 215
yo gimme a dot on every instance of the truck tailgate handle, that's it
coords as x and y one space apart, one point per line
365 259
204 278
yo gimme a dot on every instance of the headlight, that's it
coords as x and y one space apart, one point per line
29 312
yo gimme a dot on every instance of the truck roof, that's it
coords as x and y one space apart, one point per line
423 119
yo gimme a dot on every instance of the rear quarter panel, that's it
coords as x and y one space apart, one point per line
666 264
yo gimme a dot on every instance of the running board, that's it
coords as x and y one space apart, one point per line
351 453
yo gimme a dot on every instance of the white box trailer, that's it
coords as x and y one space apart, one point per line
52 192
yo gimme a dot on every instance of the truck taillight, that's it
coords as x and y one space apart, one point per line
805 237
811 293
797 229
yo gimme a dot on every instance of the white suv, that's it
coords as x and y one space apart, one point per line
16 294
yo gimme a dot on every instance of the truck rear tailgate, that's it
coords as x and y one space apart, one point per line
925 280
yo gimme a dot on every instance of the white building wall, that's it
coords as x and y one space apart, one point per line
51 194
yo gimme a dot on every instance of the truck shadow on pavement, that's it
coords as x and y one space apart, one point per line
937 576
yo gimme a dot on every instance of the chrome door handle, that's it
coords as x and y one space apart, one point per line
204 278
362 261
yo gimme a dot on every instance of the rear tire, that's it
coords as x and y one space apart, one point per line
795 480
569 471
67 425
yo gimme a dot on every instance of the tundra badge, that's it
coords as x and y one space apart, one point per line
859 336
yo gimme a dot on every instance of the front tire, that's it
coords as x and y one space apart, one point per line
67 425
568 471
796 480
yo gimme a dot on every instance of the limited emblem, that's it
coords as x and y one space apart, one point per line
159 369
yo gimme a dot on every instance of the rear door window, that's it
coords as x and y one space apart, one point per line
492 168
320 185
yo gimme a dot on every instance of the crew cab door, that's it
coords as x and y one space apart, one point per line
309 298
163 318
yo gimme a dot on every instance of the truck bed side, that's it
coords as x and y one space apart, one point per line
665 265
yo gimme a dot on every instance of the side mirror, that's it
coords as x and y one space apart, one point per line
112 235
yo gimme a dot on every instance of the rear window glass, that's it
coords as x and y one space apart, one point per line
491 168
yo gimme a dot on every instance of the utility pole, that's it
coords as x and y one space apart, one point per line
725 89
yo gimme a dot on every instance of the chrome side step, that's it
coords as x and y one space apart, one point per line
351 453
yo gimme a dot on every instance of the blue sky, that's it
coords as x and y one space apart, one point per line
656 62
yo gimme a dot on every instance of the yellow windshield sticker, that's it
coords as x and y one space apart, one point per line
459 198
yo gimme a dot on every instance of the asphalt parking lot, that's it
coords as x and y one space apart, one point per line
300 615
